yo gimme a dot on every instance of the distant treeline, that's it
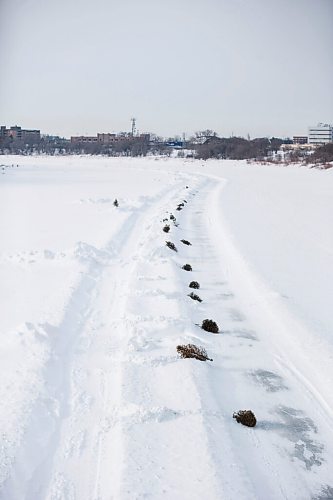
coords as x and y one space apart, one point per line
322 155
203 145
237 148
128 146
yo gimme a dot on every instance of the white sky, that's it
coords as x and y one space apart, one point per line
262 67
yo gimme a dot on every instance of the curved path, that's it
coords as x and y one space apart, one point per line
124 418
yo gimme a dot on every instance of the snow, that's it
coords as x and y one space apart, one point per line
96 404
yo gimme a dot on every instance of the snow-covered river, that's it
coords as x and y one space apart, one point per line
96 404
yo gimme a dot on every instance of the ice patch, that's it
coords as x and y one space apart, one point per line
269 380
297 428
326 493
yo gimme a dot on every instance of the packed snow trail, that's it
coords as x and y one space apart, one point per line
122 417
289 454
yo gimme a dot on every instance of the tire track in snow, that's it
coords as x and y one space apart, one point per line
277 458
160 412
106 446
34 468
169 438
297 437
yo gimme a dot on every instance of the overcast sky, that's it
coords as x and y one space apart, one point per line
258 67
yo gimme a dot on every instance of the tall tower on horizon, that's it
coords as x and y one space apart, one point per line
133 120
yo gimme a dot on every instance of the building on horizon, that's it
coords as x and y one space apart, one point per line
300 139
84 139
17 133
321 134
107 138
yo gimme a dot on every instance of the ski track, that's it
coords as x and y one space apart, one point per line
123 417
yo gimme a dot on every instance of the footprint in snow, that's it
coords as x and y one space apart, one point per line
236 315
150 278
88 253
242 333
75 444
143 415
48 254
225 296
152 362
135 415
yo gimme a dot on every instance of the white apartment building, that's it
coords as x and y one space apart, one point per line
321 134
